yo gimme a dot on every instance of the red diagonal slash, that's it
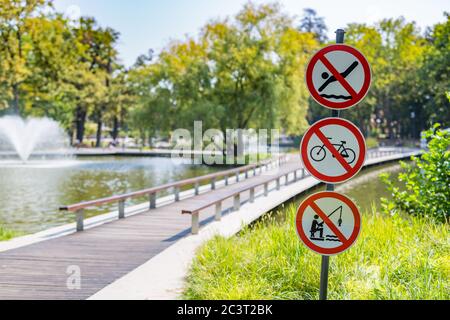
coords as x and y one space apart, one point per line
333 150
339 77
329 223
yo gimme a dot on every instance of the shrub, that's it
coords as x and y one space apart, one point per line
426 181
371 143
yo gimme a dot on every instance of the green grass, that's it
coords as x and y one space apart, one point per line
394 258
7 234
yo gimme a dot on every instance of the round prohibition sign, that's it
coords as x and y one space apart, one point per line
328 223
333 150
338 76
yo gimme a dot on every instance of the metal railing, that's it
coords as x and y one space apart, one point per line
79 208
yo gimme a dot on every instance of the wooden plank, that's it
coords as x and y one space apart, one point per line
104 254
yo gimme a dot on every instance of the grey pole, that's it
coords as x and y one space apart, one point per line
340 33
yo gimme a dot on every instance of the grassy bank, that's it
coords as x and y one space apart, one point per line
394 258
7 234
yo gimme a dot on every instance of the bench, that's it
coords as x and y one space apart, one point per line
235 191
79 208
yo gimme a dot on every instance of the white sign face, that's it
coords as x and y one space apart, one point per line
328 223
333 150
338 76
331 89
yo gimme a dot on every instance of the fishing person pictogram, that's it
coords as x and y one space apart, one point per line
318 227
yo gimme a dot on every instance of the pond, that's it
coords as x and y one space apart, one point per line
31 194
366 189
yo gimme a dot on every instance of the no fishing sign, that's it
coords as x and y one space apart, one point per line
328 223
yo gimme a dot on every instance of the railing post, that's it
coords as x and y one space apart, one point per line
266 189
237 202
295 176
303 173
218 215
80 220
226 180
121 209
197 188
213 184
278 183
152 198
237 176
254 171
195 223
252 195
286 180
177 193
246 174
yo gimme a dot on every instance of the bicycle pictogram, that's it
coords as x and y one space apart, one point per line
319 153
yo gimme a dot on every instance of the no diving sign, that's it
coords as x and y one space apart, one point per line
328 223
338 76
333 150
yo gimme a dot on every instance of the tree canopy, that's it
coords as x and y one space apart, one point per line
239 72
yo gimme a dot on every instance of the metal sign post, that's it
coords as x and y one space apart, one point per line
340 33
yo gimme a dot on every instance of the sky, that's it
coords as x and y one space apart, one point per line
145 24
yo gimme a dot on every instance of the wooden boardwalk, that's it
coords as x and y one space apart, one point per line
105 253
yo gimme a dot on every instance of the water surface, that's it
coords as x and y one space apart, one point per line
31 194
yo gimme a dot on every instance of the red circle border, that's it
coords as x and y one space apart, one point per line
333 121
328 251
339 105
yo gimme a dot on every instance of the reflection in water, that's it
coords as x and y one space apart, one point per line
365 189
31 194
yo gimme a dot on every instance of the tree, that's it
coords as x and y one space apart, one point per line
311 23
99 56
434 75
16 67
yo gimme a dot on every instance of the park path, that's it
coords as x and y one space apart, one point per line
107 252
103 254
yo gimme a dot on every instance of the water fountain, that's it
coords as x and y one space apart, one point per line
35 137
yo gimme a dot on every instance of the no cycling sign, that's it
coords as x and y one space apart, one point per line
338 77
333 150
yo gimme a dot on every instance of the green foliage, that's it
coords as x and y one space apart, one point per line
240 73
427 181
394 258
371 142
246 71
7 234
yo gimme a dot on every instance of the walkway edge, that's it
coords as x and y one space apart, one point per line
163 276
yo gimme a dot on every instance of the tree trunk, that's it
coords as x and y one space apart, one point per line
98 141
115 131
16 97
80 123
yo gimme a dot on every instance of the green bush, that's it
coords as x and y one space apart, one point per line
398 257
371 143
426 189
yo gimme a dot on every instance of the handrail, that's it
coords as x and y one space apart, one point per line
78 208
195 211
